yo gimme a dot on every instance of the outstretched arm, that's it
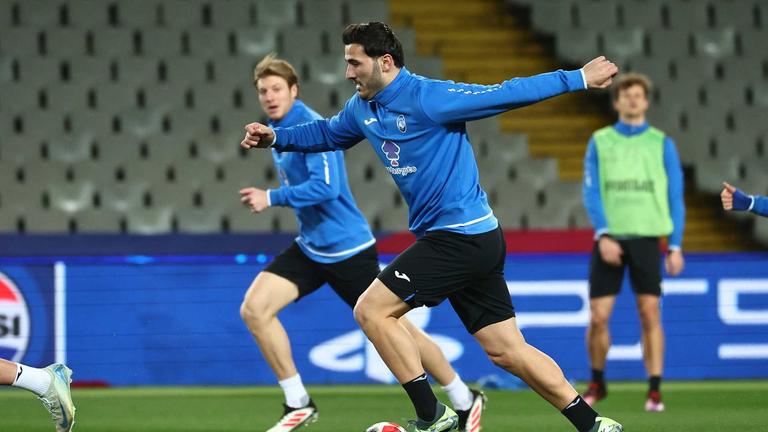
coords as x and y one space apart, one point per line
336 133
736 199
449 102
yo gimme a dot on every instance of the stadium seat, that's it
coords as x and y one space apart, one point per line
88 70
255 42
392 219
241 220
623 44
9 221
240 173
219 196
116 42
307 42
165 149
65 42
710 173
40 13
21 149
209 43
17 97
552 16
92 14
195 172
430 67
218 148
657 69
549 217
70 148
759 93
6 69
177 194
361 11
135 71
181 13
229 71
118 149
20 42
670 44
97 123
214 95
580 218
692 15
134 14
695 68
725 95
684 93
194 220
122 196
98 172
46 222
715 43
63 97
761 229
596 15
328 70
71 197
737 14
35 71
328 12
114 97
539 171
232 14
276 13
168 96
576 45
752 42
749 118
283 219
145 170
97 221
639 13
141 123
148 221
160 42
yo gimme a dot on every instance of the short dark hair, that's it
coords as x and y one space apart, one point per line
631 79
377 39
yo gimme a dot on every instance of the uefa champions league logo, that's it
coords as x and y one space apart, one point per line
352 352
14 321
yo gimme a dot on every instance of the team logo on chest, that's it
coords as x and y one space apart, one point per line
401 126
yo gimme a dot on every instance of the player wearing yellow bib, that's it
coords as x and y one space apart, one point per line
633 193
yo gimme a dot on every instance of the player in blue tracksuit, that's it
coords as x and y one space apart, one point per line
736 199
417 128
335 245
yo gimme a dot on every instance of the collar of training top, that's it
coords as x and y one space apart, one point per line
389 92
628 129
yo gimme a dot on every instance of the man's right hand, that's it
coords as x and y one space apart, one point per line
610 250
599 73
257 136
734 199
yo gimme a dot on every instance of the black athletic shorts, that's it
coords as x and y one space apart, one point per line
466 269
349 278
643 258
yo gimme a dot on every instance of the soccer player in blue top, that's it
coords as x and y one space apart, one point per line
334 245
736 199
417 128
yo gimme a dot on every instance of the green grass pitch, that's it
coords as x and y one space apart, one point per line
691 406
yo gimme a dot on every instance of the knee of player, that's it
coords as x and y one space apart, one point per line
506 360
649 317
598 319
254 314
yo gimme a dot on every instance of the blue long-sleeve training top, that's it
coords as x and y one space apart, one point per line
591 188
759 205
331 227
417 128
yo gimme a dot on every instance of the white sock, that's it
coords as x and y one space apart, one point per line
459 394
296 395
35 380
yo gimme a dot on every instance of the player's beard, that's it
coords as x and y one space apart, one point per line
375 83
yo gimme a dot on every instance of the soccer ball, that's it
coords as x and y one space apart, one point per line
385 427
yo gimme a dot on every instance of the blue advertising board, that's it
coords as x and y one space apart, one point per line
176 321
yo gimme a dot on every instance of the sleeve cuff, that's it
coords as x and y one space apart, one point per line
751 202
274 140
600 232
675 247
269 197
583 78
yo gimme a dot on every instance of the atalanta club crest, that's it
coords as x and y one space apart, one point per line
14 321
401 126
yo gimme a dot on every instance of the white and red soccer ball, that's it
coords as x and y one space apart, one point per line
385 427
